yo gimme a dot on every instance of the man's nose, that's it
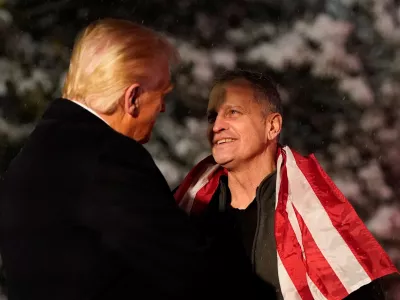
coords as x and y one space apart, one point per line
219 124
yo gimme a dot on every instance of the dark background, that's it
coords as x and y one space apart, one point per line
337 63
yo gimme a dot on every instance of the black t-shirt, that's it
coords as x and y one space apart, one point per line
254 227
246 222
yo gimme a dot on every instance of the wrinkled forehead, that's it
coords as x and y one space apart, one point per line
235 91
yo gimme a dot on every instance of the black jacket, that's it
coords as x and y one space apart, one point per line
86 214
251 234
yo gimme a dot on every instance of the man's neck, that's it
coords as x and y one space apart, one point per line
243 182
83 105
115 120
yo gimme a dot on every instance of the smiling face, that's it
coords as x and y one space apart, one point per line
238 129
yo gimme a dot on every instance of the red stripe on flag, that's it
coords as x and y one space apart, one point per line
192 177
318 268
204 195
288 247
359 239
183 188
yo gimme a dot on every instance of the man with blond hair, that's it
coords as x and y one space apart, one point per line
85 212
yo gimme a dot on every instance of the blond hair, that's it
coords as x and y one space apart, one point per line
108 56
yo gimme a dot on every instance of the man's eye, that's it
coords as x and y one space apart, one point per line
234 112
211 119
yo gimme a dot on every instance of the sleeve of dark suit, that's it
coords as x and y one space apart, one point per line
371 291
130 206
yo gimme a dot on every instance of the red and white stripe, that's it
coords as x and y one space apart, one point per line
324 249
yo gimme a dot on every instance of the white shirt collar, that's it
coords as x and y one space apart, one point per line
90 110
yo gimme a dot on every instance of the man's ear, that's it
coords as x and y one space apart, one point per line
274 126
131 100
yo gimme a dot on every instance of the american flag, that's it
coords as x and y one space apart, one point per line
324 249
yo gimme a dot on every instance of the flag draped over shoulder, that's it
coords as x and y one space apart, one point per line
324 249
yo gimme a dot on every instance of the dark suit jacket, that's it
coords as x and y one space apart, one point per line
86 214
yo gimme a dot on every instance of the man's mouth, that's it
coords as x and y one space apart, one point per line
224 141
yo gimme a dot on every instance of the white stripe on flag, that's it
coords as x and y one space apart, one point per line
190 195
289 291
278 180
294 223
316 293
327 238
